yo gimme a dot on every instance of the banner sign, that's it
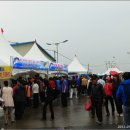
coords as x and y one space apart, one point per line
21 63
57 67
5 72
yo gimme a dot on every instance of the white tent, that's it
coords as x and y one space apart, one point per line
76 67
35 54
112 69
6 51
2 63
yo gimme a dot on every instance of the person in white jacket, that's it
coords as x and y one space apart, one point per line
35 91
7 96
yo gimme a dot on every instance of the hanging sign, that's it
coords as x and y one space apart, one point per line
57 67
5 72
21 63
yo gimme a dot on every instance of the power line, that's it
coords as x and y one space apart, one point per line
108 63
97 65
65 56
72 59
59 54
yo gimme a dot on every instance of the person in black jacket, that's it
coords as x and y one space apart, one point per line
50 96
96 92
19 99
72 87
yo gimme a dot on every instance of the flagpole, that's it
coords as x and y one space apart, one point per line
2 33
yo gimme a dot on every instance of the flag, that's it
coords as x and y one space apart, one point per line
2 30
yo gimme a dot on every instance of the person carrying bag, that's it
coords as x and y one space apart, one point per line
88 104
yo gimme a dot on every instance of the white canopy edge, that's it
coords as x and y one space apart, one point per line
35 54
76 67
6 51
112 69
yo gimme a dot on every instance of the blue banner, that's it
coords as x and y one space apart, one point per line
57 67
21 63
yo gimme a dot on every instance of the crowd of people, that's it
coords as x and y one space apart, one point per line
31 92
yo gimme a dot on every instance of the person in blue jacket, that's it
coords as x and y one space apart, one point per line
123 95
64 91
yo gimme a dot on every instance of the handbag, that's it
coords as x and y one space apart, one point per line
88 104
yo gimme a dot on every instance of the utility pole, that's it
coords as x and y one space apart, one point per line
88 68
57 44
54 54
106 65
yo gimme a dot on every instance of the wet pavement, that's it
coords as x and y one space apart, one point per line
72 117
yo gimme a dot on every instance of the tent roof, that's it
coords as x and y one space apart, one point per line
2 63
75 66
112 69
20 43
6 51
35 54
32 42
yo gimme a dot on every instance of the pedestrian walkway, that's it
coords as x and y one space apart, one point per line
72 117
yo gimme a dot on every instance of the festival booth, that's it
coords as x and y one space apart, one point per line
75 67
20 66
112 71
50 68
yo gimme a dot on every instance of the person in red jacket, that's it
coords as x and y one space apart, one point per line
52 83
108 92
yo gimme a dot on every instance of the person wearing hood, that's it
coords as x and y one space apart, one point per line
123 93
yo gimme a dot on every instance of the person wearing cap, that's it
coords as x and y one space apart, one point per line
109 97
96 93
123 93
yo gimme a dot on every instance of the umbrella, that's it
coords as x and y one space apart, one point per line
114 72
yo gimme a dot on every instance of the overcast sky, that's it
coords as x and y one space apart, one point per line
97 31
